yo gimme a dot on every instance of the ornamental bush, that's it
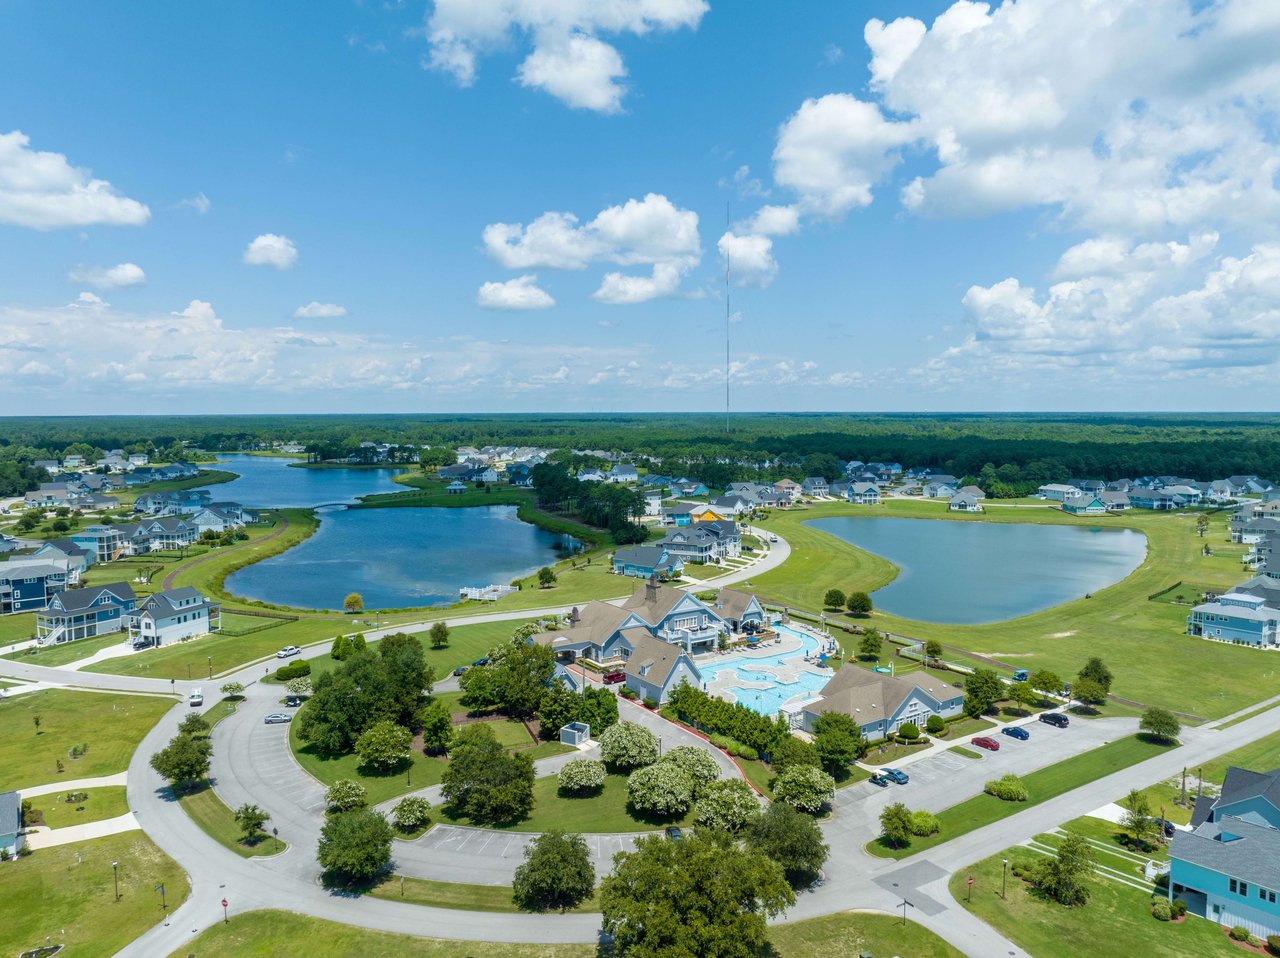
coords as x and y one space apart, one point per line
728 804
935 725
909 730
924 823
1273 941
1239 933
696 762
345 795
1180 909
804 787
627 745
294 670
1161 911
581 776
662 789
1007 788
411 813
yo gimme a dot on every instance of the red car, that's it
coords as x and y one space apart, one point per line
988 743
613 678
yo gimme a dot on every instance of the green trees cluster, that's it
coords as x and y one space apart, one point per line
604 505
628 746
484 782
1160 724
516 679
560 705
838 741
792 839
355 846
556 873
387 685
737 721
1064 876
185 760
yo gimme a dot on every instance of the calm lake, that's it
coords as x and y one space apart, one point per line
269 482
966 573
397 558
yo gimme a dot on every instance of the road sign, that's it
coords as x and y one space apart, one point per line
224 901
970 882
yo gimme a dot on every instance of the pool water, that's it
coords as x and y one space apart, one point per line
768 701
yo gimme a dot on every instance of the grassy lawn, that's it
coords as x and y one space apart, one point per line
1260 755
101 803
17 628
267 934
423 770
67 893
1044 784
65 652
1195 675
443 894
605 812
888 754
111 725
217 821
965 727
1116 923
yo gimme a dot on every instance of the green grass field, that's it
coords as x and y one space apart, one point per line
101 803
423 770
1116 922
267 934
1194 676
217 821
111 725
1260 755
1042 785
66 893
65 652
443 894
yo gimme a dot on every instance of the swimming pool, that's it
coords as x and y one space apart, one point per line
766 683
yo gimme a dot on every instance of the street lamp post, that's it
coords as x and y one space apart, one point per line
210 666
115 874
1004 875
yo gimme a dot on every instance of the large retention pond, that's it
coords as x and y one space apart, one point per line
395 558
966 573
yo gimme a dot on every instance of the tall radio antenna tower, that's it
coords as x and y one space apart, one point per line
727 317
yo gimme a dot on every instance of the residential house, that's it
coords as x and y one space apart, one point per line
172 616
741 611
95 502
881 703
1189 494
8 544
652 502
1221 490
706 513
50 495
645 561
815 487
974 491
730 506
1086 504
213 519
27 585
138 459
76 556
863 494
1119 485
590 475
51 466
689 487
1089 486
623 472
678 513
11 837
788 487
1255 530
1156 499
1241 485
704 542
944 479
1227 868
938 490
1240 618
1058 492
839 489
160 533
964 502
1114 501
106 543
84 613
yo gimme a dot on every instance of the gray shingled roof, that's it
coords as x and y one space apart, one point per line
1253 855
75 600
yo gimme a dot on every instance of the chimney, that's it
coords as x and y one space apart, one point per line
651 588
574 617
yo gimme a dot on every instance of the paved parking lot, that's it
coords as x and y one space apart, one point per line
486 857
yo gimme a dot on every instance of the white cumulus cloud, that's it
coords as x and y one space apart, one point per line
522 292
318 310
567 57
109 277
270 249
43 191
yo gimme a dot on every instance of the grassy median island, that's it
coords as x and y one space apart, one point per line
267 934
1115 923
1042 785
66 893
1194 675
217 820
111 725
445 894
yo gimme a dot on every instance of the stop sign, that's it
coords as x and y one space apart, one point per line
224 901
970 882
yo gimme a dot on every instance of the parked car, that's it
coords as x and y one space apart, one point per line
613 678
773 538
674 833
987 742
1016 731
1166 826
1056 719
292 701
287 651
276 718
880 779
898 777
481 661
459 670
195 699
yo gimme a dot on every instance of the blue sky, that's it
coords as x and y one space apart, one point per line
521 204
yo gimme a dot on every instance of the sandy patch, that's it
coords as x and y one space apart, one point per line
1062 635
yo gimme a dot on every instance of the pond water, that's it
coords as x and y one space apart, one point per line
965 573
401 557
270 482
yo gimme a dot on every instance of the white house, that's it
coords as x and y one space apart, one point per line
1058 492
167 617
964 502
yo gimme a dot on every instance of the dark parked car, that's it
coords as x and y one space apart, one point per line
984 741
879 778
459 670
1056 719
899 777
1167 827
674 833
613 678
1016 731
483 661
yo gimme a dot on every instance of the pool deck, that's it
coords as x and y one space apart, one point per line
726 683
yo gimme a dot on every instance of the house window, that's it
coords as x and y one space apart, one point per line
1238 887
1267 895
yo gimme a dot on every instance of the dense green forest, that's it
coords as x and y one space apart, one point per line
1019 449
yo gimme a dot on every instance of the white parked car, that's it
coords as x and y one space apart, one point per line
287 651
276 718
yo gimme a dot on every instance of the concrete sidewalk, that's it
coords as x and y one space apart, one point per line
41 837
75 785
